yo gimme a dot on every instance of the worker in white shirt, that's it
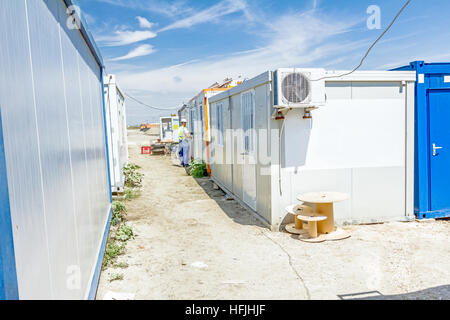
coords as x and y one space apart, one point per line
183 136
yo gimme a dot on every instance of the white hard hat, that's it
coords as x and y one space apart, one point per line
183 121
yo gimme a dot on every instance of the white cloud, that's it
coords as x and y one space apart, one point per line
89 18
162 7
310 39
124 37
221 9
140 51
144 23
303 40
409 57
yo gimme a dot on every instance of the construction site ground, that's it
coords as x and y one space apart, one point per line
192 243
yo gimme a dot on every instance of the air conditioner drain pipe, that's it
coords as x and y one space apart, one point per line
279 152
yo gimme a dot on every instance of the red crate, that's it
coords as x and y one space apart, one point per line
146 150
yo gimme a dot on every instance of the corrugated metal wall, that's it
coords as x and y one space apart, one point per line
221 155
324 153
229 171
323 156
53 125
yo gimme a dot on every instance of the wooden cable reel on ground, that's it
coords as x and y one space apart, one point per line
298 227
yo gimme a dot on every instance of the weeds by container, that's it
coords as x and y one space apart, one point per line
133 178
120 232
116 276
119 213
197 169
113 250
132 193
124 233
120 265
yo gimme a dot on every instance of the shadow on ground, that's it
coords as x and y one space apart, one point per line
435 293
232 208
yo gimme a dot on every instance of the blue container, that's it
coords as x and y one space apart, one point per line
432 139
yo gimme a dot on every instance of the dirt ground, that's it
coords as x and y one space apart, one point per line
191 243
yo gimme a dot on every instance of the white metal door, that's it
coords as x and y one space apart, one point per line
248 149
197 133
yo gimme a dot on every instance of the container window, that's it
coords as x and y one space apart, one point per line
248 120
191 119
219 124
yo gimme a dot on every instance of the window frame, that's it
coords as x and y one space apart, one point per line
248 117
191 119
219 125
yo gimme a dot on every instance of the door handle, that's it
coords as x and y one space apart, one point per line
435 149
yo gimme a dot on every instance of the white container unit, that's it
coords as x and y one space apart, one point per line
197 126
55 199
198 123
168 127
351 134
116 121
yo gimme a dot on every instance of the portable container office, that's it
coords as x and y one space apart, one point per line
55 192
292 131
168 127
432 139
116 125
198 124
197 113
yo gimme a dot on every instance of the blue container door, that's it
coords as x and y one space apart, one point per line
439 108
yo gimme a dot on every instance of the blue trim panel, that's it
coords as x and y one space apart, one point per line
87 35
8 276
433 73
101 254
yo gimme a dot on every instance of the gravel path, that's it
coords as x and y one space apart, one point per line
193 244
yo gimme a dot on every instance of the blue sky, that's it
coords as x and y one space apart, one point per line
164 52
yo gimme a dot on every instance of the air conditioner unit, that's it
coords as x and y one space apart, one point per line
299 88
